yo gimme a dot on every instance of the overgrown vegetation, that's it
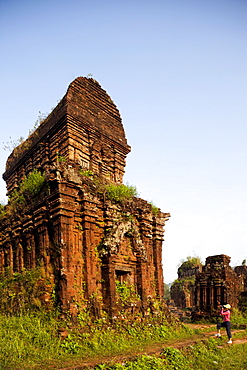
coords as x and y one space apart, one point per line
121 192
28 189
12 144
27 340
25 291
189 263
2 210
238 317
115 192
61 158
126 294
155 210
201 356
184 283
30 341
87 173
29 332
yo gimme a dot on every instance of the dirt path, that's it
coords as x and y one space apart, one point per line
157 348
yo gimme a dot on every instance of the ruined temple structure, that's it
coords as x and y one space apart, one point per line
183 289
204 288
84 240
217 284
241 271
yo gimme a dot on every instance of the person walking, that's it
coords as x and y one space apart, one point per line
226 314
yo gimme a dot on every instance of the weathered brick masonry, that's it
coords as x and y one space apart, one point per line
204 288
84 241
217 284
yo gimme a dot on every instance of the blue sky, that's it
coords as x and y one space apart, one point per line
176 70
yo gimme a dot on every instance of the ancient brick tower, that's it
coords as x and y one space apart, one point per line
217 284
84 240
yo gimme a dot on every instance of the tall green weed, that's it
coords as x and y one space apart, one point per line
31 340
27 340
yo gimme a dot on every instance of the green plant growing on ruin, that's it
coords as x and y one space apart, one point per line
22 291
61 158
83 316
183 284
189 263
79 227
154 208
32 184
2 210
126 293
29 188
16 200
87 173
121 192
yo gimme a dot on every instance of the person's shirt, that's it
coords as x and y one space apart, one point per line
226 315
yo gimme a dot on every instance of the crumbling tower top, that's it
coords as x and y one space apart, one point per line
84 128
88 103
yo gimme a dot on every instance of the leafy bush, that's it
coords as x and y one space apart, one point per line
121 192
190 263
61 158
87 173
126 293
29 188
176 359
238 317
32 184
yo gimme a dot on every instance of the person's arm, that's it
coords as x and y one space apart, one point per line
224 313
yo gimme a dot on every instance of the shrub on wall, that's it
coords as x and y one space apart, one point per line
121 192
29 188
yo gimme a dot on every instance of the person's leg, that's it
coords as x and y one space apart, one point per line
228 331
219 325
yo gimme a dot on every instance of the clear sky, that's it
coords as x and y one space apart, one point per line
176 70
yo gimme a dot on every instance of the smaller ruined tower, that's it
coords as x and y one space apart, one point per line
217 284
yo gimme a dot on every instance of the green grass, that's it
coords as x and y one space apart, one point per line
202 356
30 341
237 317
210 355
27 340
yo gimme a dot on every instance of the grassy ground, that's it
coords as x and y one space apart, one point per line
31 342
201 356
